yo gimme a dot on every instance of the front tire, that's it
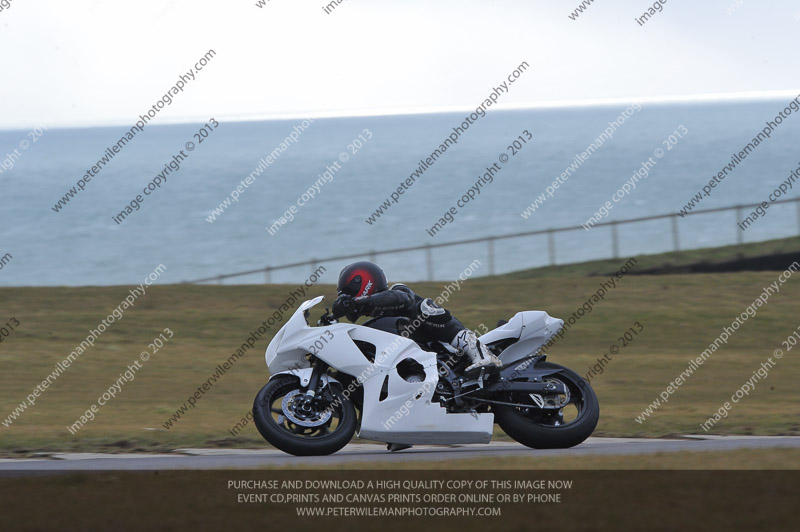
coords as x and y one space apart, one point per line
546 429
322 430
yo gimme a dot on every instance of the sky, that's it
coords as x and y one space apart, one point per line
93 62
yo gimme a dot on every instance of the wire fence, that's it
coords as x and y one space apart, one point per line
490 241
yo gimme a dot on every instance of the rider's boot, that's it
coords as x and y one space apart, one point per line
478 353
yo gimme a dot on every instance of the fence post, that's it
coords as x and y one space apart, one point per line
219 279
739 232
312 263
268 274
676 243
551 247
372 255
491 256
429 261
614 240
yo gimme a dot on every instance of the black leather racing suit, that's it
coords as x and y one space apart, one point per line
425 317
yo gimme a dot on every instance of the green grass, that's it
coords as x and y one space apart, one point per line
681 315
669 259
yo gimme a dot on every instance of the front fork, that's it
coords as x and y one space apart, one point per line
320 368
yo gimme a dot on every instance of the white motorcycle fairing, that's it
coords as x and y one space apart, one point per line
533 328
397 408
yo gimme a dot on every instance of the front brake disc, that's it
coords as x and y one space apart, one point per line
311 419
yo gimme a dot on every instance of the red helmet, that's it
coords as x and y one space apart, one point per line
362 279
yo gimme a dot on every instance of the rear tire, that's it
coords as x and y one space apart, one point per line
522 426
292 438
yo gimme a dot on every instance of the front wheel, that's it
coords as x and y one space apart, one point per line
288 422
552 421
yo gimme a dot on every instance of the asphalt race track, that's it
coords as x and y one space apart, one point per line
253 458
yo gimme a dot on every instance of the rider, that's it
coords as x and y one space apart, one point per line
363 290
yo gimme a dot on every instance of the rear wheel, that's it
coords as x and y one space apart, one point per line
297 427
551 421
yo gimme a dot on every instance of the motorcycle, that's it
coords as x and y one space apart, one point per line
384 383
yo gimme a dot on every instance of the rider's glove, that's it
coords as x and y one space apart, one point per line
343 306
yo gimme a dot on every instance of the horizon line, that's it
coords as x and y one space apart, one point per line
720 97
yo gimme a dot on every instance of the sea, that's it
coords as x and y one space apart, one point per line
334 173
